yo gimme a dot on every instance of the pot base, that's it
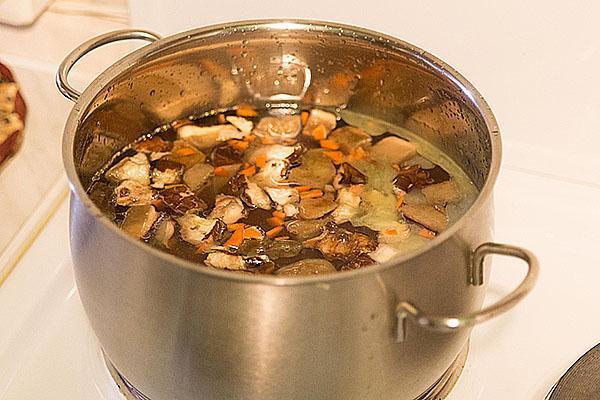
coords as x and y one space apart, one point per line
438 391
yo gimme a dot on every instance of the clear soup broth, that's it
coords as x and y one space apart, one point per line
282 191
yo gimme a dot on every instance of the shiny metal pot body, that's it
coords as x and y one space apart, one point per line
179 331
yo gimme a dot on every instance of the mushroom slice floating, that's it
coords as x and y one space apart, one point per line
414 176
271 152
134 168
181 200
132 193
350 138
348 205
244 125
306 229
198 176
283 196
442 193
340 244
428 216
224 154
393 149
283 129
225 261
272 174
194 229
311 266
316 170
348 175
166 172
165 229
316 208
257 197
229 209
363 260
206 136
318 118
139 220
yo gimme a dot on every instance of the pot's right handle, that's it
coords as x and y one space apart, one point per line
442 323
71 59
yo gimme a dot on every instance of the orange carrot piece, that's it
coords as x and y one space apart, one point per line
279 214
233 227
329 144
250 138
221 118
282 238
246 110
238 144
236 239
275 221
220 171
390 231
313 194
251 170
426 233
261 161
303 188
252 232
185 151
304 117
336 156
267 140
274 232
320 132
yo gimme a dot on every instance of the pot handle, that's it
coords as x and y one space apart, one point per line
71 59
440 323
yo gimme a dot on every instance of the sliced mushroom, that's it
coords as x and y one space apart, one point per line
348 175
315 170
348 205
271 152
228 208
363 260
414 176
194 229
311 266
291 210
139 220
316 208
260 264
283 249
165 229
393 149
198 176
339 244
225 261
426 215
319 117
132 193
224 154
350 138
135 168
282 129
244 125
166 172
206 136
181 200
306 229
272 174
442 193
283 195
257 197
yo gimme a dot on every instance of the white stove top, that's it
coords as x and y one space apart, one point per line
547 201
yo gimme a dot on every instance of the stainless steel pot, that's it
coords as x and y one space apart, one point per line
177 331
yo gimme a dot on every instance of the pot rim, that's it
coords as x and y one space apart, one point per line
283 24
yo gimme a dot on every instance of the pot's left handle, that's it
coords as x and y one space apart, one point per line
450 323
70 60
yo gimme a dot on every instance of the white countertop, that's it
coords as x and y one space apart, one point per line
536 63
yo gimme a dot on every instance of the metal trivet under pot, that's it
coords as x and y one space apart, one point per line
438 391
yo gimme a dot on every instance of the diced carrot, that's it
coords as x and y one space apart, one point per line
303 188
329 144
282 238
390 231
275 221
220 171
261 161
279 214
250 138
426 233
313 194
274 232
246 110
185 151
336 156
251 170
238 144
320 132
236 239
252 232
304 117
233 227
267 140
221 118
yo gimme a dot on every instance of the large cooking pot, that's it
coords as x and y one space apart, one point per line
175 330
